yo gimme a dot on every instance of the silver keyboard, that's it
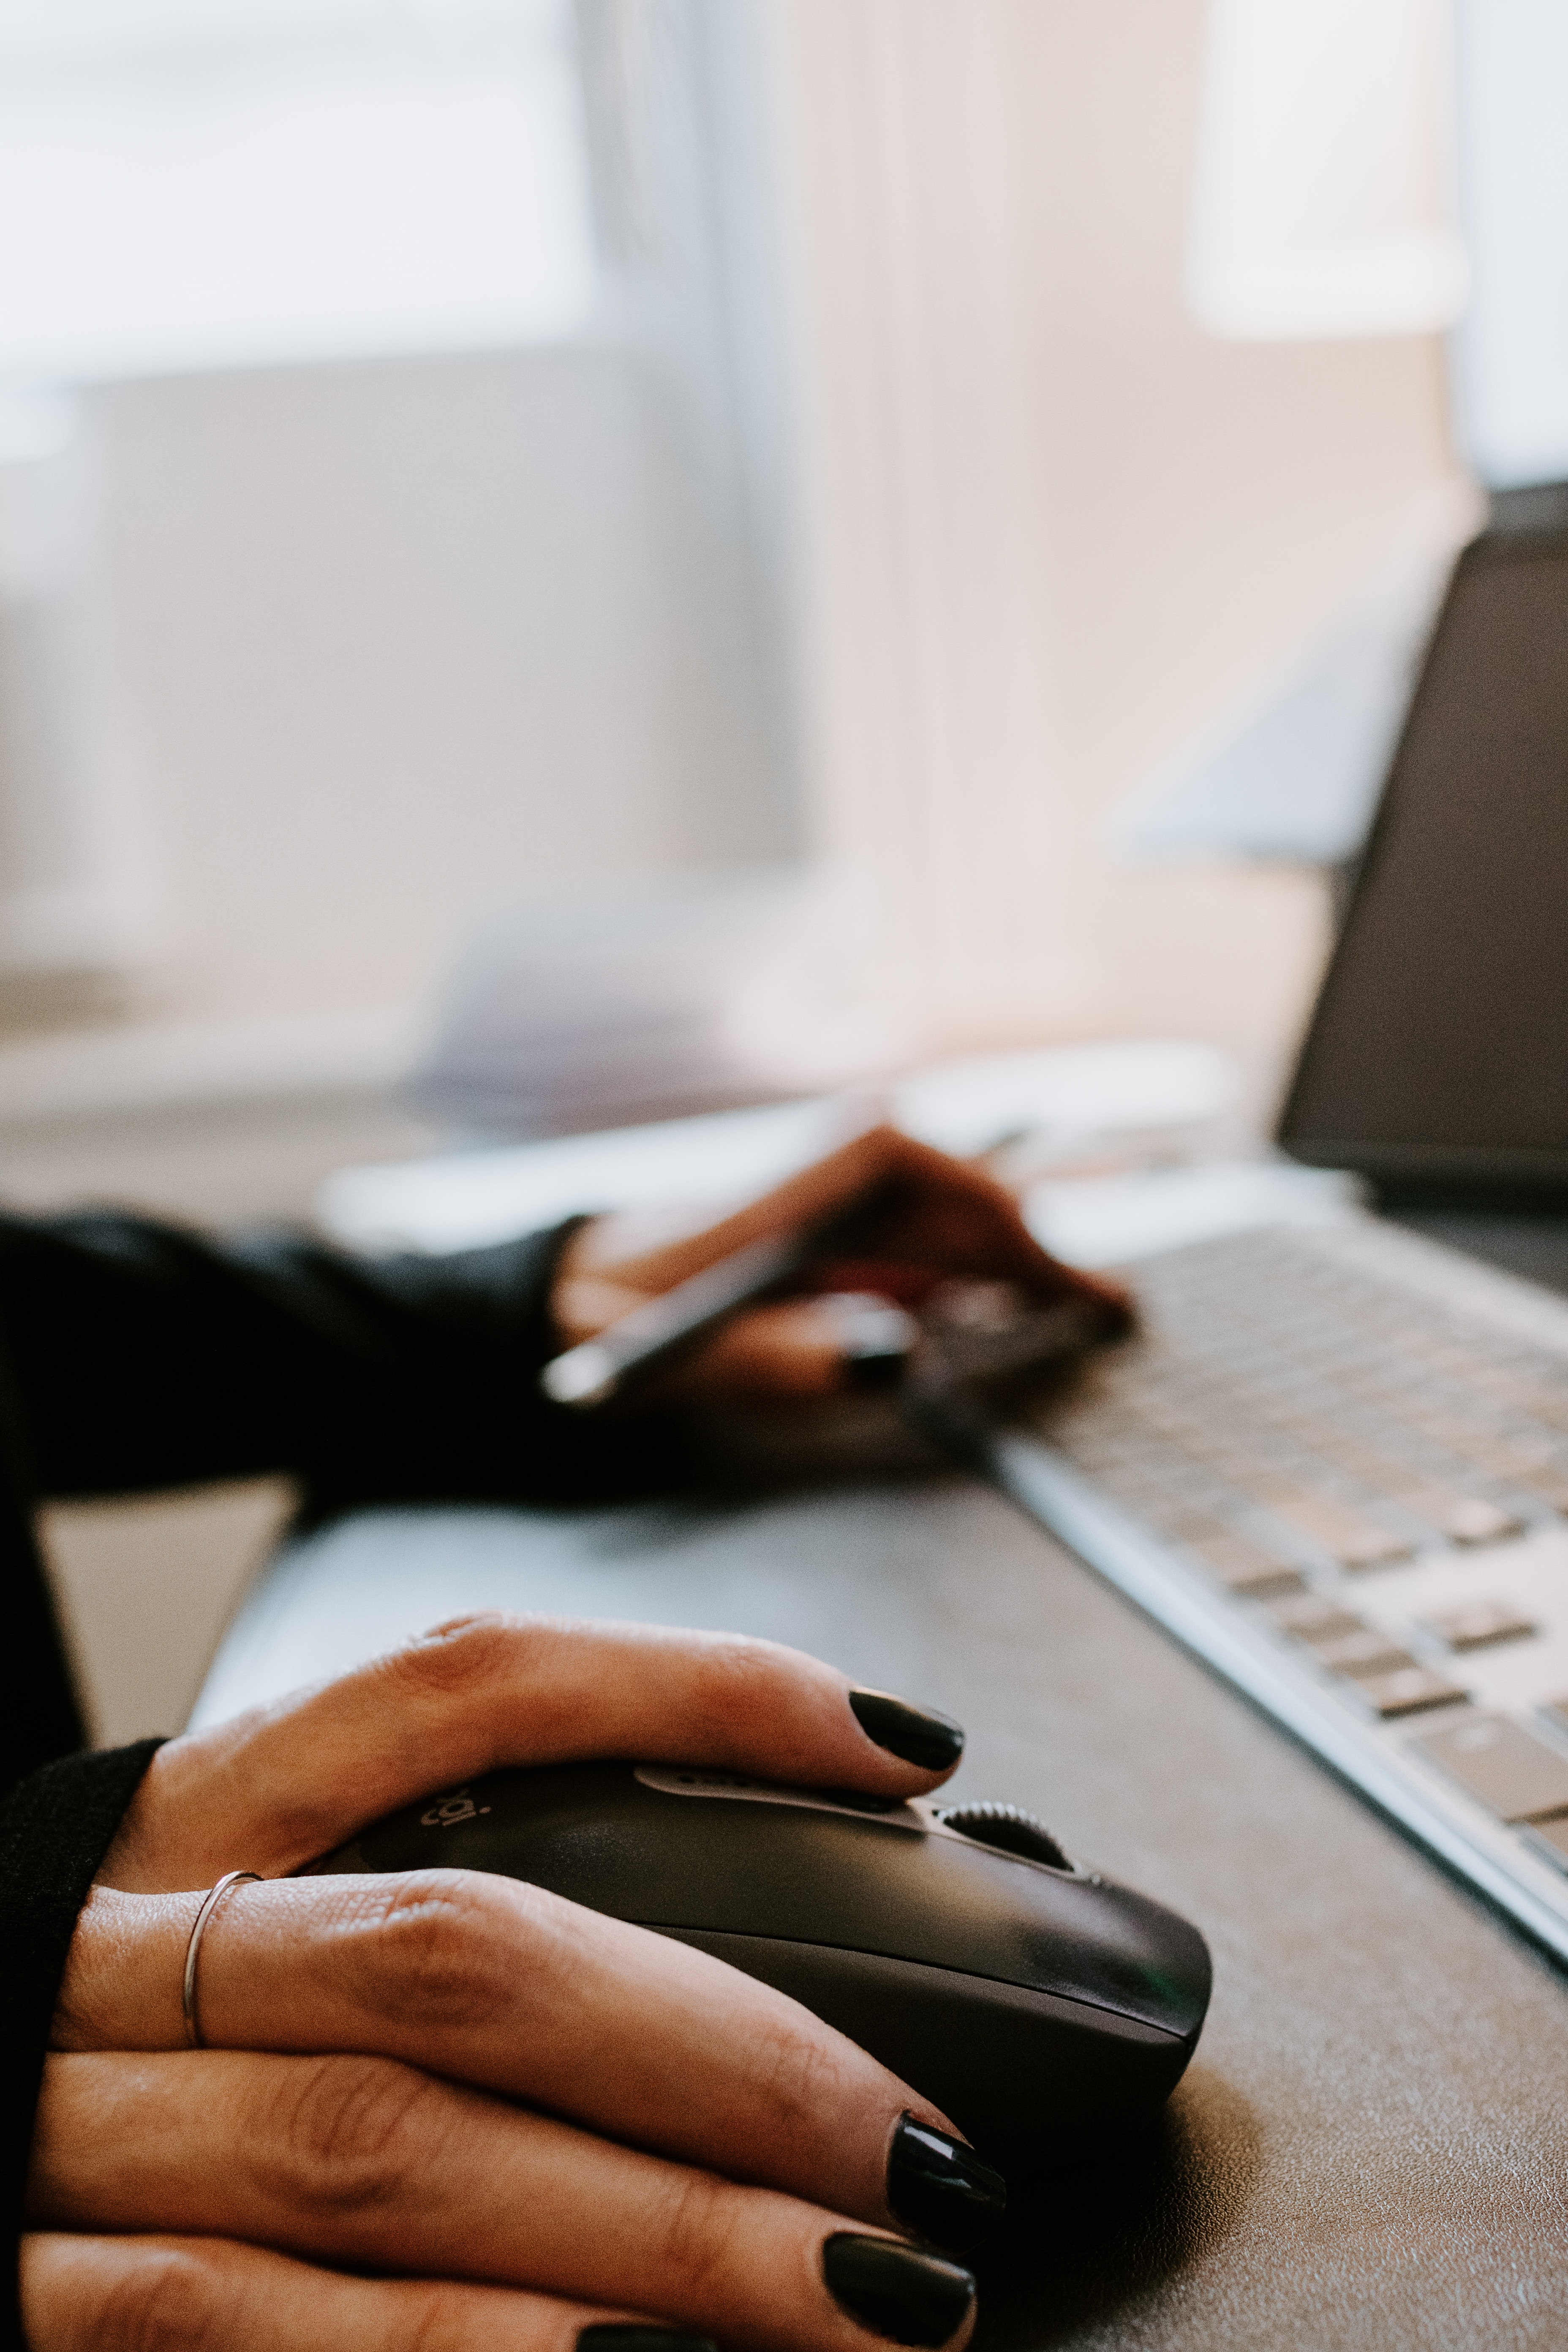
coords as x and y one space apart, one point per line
1335 1462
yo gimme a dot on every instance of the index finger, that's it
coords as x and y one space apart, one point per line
950 1213
282 1784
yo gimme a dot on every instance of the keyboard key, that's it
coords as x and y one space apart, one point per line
1243 1566
1313 1619
1464 1518
1187 1522
1515 1775
1408 1691
1364 1651
1345 1535
1554 1711
1473 1520
1481 1623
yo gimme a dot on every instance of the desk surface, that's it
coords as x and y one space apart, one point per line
1371 2149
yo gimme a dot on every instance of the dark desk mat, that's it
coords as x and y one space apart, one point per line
1371 2149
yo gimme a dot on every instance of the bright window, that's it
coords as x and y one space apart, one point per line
200 184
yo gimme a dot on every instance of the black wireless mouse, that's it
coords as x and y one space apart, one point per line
1042 2007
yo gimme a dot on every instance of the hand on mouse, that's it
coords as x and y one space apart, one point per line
442 2107
948 1220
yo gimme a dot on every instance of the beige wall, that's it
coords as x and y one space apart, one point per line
1210 506
1051 535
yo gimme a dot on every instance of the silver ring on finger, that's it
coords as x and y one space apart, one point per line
209 1904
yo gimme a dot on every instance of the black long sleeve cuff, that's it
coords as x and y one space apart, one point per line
146 1356
56 1827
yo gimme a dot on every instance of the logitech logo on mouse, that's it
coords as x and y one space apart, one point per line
447 1812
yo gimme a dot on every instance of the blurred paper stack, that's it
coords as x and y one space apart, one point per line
624 1004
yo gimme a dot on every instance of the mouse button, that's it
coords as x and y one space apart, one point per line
703 1781
856 1800
501 1821
818 1874
1007 1829
779 1869
596 1837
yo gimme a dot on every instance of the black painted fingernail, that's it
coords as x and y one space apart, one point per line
917 1734
939 2188
911 2298
637 2335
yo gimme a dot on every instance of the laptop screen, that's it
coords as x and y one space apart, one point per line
1438 1051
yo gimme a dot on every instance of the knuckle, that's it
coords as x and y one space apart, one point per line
437 2318
452 1659
801 2072
351 2134
162 2299
696 2231
443 1946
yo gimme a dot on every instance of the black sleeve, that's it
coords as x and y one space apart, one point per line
138 1356
55 1829
145 1356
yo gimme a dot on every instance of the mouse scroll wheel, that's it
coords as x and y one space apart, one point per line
1008 1829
